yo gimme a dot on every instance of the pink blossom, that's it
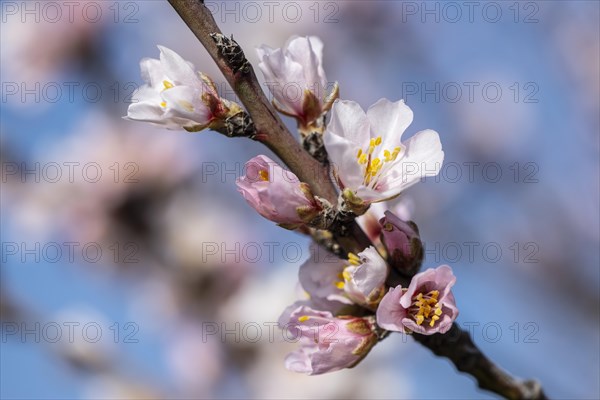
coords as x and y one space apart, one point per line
296 78
328 343
277 194
426 307
358 280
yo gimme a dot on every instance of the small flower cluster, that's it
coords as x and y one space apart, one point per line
349 304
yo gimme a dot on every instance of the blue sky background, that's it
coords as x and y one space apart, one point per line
549 52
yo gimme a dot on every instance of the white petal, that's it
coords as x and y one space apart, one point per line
146 93
342 157
187 103
424 157
149 112
368 276
348 120
144 111
317 46
284 77
389 120
177 69
301 51
152 72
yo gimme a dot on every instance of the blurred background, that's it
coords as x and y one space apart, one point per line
131 268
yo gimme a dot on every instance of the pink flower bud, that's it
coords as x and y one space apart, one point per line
295 77
328 343
402 242
426 307
277 194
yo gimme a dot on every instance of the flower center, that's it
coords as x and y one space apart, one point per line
373 165
263 174
344 276
426 308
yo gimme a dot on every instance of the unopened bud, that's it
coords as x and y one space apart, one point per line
402 242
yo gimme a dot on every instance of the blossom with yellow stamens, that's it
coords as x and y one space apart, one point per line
177 97
427 306
370 162
358 280
327 343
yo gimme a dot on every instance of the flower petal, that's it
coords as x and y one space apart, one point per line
389 120
177 69
390 313
152 71
423 157
349 121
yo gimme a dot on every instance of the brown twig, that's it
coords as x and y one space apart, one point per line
455 345
270 129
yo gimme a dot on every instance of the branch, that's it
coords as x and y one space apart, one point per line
455 345
271 130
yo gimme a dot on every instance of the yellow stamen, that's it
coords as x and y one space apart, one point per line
346 275
353 259
167 85
163 104
339 285
263 175
426 307
303 318
373 166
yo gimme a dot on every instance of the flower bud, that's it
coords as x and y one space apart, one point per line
402 242
277 194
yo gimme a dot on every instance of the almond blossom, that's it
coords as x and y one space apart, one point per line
296 78
327 343
427 306
175 96
277 194
370 162
358 280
